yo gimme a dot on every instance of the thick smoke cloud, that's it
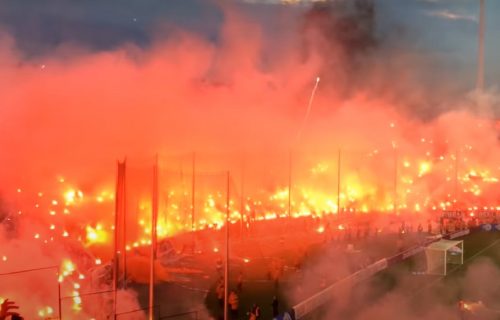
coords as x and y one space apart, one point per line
73 111
402 292
407 302
186 92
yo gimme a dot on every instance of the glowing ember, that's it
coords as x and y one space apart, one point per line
67 268
424 168
96 235
45 312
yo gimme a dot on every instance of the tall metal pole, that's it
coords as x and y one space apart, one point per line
395 205
290 184
480 53
226 267
193 181
59 303
119 205
115 254
124 214
242 196
455 191
154 216
338 184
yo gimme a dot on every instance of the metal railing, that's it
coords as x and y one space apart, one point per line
193 315
146 310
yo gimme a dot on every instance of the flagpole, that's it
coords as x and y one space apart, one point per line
226 268
154 215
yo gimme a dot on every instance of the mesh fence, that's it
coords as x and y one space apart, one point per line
193 187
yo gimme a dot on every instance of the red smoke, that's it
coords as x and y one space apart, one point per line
73 113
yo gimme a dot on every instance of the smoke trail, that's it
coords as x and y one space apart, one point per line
308 111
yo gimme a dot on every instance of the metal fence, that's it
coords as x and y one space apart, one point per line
189 315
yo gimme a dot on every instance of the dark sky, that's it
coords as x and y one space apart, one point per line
39 26
447 27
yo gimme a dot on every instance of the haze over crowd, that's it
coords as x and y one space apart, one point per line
83 85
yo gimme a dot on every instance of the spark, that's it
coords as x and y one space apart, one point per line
45 312
96 235
309 106
424 168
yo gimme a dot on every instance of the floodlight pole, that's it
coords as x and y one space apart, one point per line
480 57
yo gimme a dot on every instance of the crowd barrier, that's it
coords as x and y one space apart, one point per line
320 298
307 306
